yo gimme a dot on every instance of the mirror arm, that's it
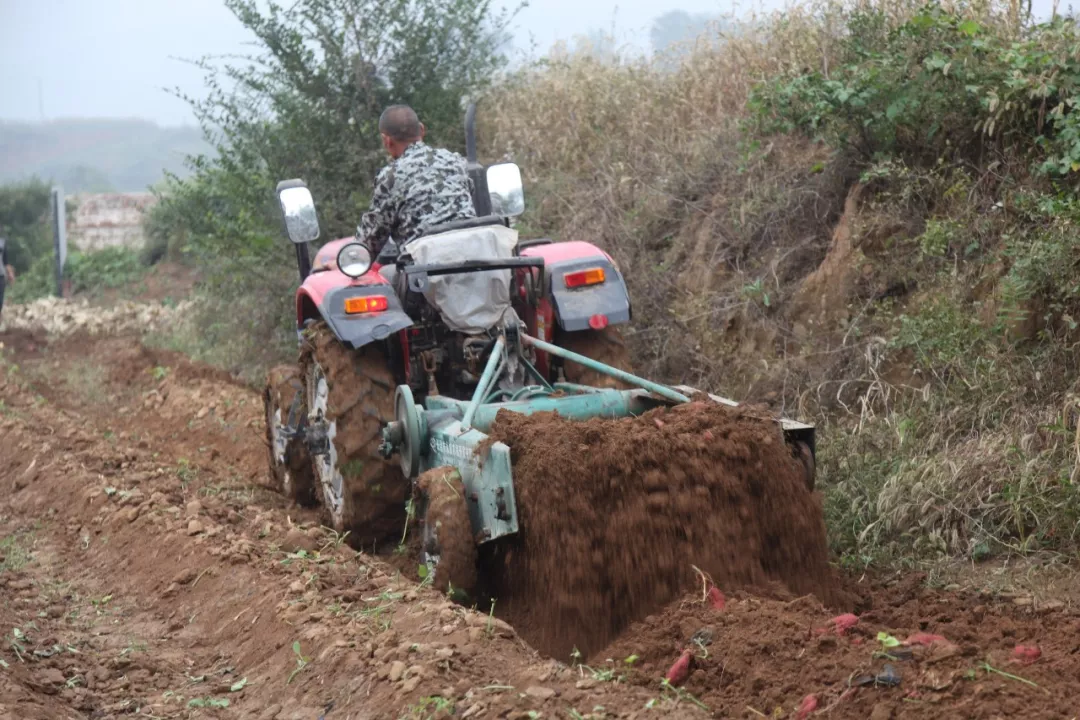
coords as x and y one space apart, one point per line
303 260
481 197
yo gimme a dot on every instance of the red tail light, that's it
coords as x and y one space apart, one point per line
581 278
365 304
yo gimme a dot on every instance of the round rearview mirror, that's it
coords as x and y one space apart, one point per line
506 191
354 259
301 221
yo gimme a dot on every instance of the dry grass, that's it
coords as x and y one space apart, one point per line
934 429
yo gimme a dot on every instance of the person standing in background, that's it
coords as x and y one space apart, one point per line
8 274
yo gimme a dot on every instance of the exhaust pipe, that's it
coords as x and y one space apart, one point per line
470 133
481 198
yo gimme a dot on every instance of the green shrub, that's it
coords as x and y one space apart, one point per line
944 85
104 269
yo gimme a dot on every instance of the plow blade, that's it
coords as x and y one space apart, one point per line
455 433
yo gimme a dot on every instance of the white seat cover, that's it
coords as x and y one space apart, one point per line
468 302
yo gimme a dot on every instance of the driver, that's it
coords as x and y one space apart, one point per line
422 186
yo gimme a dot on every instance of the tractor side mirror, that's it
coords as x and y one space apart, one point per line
298 207
505 189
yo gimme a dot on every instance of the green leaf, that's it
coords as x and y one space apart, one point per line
238 685
969 28
296 647
422 571
887 640
631 660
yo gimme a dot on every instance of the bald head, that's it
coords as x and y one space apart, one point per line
399 122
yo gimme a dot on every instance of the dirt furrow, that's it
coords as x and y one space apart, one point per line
146 569
190 590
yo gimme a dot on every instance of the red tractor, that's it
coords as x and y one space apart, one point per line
424 316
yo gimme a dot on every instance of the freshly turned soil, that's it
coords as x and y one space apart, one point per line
620 517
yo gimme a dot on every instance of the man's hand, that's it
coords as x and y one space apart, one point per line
10 272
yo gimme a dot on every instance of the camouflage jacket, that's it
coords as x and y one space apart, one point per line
423 187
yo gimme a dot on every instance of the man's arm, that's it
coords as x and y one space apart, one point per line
378 223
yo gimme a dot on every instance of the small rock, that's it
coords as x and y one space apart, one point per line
397 669
444 653
194 527
129 515
49 679
826 643
296 586
193 508
296 540
540 693
585 684
411 684
415 671
270 712
474 710
881 711
202 413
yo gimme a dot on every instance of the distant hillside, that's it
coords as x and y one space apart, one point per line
95 155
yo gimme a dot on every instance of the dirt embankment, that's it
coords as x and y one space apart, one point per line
619 517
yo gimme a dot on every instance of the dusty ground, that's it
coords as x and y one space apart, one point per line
146 569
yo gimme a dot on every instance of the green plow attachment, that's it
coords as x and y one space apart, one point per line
448 432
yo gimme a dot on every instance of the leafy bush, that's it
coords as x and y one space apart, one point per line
24 221
306 105
944 84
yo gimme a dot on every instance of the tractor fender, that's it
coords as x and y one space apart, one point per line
576 307
355 331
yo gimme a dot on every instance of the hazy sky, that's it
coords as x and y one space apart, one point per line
112 58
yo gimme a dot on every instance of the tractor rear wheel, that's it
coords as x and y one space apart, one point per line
449 550
350 396
606 346
290 464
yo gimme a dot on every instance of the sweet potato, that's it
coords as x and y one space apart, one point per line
839 624
716 598
925 639
808 705
1026 654
680 670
